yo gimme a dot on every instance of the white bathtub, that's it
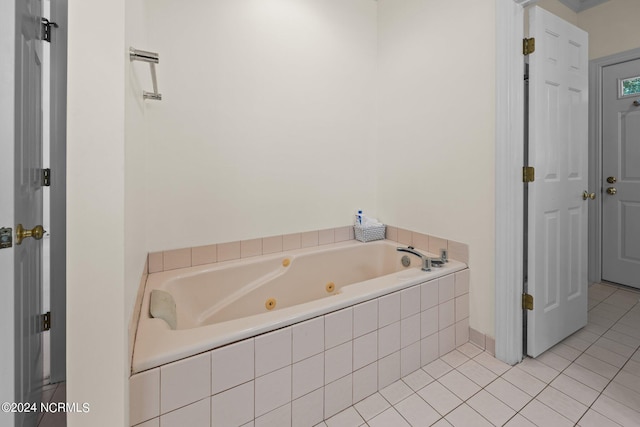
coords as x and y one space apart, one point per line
221 303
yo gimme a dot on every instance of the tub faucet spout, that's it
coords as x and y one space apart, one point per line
426 261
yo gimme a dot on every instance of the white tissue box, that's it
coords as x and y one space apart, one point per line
369 233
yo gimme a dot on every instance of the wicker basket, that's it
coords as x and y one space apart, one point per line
368 234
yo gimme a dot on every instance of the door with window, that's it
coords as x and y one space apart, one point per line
621 173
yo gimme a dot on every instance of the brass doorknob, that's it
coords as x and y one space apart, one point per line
611 190
586 196
612 180
21 233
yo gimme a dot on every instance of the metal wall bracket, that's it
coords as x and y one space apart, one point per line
152 58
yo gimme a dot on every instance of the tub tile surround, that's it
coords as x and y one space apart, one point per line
305 373
209 254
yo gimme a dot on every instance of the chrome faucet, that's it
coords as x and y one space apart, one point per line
426 261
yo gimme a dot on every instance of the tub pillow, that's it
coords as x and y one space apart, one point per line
163 307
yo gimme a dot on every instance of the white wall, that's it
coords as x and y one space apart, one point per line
612 27
137 79
97 365
7 143
436 129
266 125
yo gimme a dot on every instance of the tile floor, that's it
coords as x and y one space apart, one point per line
590 379
54 393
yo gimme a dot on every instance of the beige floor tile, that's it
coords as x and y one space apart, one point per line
616 411
575 389
554 361
596 365
624 395
519 421
390 417
525 382
607 356
491 408
508 393
440 398
594 419
477 373
628 380
417 412
465 416
470 350
566 351
455 358
459 384
543 416
586 377
562 404
437 368
418 379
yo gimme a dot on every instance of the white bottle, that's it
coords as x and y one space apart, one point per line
359 218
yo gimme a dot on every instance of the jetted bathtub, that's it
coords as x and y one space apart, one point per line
217 304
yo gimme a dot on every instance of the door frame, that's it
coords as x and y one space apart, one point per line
7 219
509 188
596 67
58 191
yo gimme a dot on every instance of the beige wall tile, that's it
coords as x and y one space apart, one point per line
272 245
228 251
291 242
177 258
249 248
309 239
435 244
477 338
204 255
326 237
155 262
404 236
341 234
459 251
420 241
392 233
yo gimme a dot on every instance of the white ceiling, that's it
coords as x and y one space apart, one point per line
580 5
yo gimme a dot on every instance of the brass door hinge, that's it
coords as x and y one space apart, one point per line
46 321
527 302
528 46
528 174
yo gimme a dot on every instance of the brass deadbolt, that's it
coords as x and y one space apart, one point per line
21 233
330 287
286 262
270 304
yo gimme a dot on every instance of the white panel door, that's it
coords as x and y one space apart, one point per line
557 213
621 166
28 208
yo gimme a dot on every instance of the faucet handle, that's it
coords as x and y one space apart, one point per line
444 255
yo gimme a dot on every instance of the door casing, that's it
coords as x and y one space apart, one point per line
595 155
